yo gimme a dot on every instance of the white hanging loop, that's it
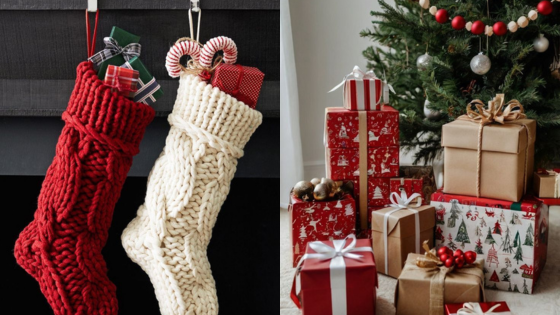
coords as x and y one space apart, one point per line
194 5
195 8
92 5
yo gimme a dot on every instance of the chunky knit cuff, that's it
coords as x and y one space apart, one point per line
214 111
94 109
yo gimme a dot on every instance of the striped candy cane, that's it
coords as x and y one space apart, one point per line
178 50
214 45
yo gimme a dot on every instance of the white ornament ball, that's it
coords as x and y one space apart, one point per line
468 26
533 15
424 61
522 22
480 64
424 4
512 26
488 30
430 114
541 43
433 10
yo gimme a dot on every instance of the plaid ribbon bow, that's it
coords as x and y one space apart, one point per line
112 49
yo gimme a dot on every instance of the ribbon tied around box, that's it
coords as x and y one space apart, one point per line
112 49
357 73
473 308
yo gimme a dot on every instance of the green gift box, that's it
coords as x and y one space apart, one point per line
148 89
123 38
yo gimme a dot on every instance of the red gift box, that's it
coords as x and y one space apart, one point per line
498 308
344 164
320 221
337 283
243 83
410 186
121 80
342 127
378 191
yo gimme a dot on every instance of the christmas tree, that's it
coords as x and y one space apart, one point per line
450 243
455 211
494 277
518 255
515 289
302 233
462 234
478 231
478 247
509 287
348 210
502 217
515 271
525 290
506 242
497 228
529 236
506 278
489 239
482 222
377 193
517 69
517 240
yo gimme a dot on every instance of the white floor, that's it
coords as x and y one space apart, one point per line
544 301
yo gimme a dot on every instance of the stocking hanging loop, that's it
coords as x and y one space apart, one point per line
91 41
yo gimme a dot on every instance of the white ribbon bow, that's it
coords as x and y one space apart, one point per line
475 309
357 73
402 202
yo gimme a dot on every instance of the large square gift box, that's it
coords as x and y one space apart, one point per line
319 221
337 277
494 308
363 146
504 167
511 236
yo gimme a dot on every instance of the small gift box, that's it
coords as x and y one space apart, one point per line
319 221
475 308
425 285
399 230
148 88
337 277
424 173
547 183
243 83
120 46
121 80
363 91
489 153
408 185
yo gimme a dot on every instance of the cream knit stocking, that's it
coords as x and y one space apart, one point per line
186 190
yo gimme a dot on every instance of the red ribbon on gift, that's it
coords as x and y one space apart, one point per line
236 91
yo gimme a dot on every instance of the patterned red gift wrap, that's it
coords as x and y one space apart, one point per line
121 80
410 186
512 237
378 191
361 284
320 221
502 309
342 128
243 83
344 164
363 94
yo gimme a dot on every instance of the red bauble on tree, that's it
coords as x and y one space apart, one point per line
477 27
500 28
442 16
544 7
458 22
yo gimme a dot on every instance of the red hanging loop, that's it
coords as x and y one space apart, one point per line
91 45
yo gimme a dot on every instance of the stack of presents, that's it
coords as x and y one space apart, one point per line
486 228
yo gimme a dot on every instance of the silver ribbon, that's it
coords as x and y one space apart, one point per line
357 73
112 49
474 308
402 202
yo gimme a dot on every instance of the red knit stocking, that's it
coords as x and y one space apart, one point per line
61 248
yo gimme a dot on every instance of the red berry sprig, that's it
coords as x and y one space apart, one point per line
455 258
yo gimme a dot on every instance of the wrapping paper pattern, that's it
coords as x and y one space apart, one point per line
243 83
122 80
363 94
343 164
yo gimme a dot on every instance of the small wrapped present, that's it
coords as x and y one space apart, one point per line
121 80
319 221
547 183
148 88
363 91
489 153
120 46
424 173
378 191
399 230
337 277
425 284
512 236
243 83
475 308
408 185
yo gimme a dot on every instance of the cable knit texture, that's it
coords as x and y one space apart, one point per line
186 190
61 247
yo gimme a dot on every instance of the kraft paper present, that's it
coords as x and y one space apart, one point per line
547 185
401 236
506 165
412 296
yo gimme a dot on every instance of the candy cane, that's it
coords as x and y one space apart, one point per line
214 45
181 48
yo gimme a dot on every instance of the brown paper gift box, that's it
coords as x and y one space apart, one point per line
545 184
412 296
401 236
506 158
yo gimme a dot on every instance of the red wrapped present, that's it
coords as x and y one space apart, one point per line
319 221
378 191
512 237
344 164
475 308
337 277
121 80
243 83
363 91
342 127
409 185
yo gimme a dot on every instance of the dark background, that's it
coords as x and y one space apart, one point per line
242 251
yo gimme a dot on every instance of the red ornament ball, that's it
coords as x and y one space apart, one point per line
500 28
458 253
442 16
544 7
458 22
449 263
443 257
442 250
470 257
477 27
